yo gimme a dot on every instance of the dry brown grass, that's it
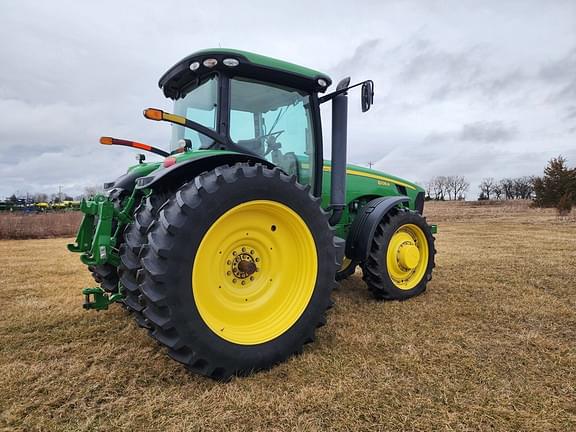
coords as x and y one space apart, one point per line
490 346
19 225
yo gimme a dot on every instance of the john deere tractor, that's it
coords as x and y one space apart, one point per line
229 248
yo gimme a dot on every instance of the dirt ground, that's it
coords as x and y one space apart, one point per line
490 346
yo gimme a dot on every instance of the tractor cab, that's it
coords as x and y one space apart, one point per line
257 105
271 122
263 108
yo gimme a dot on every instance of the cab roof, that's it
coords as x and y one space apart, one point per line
180 78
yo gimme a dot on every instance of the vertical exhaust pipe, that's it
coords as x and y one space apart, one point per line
339 142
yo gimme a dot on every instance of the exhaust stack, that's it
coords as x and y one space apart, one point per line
339 143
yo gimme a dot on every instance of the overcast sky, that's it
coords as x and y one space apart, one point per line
484 88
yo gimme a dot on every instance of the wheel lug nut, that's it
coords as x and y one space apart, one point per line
252 252
233 280
251 278
228 273
243 249
243 282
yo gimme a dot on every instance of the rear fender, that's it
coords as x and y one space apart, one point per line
186 170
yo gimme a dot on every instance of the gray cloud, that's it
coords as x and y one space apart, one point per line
487 132
561 69
562 74
439 73
571 112
481 132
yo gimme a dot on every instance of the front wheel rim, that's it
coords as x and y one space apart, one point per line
407 256
254 272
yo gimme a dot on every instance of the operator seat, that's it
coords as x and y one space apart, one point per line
255 145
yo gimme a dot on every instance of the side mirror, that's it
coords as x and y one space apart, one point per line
367 95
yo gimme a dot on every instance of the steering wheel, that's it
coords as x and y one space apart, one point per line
272 143
274 134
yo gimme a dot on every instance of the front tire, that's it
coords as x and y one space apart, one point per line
238 271
401 258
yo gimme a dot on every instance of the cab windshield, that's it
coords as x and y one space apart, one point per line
275 123
199 105
268 120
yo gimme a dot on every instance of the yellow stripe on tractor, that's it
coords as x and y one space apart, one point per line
372 176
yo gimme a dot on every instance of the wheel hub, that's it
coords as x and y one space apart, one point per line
242 263
408 255
246 266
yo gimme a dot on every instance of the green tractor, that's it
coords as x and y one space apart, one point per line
228 250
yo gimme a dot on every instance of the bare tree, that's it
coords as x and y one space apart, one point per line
447 187
487 187
436 187
497 190
461 188
523 187
440 187
507 186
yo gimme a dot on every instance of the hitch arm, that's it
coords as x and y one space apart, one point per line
101 299
85 235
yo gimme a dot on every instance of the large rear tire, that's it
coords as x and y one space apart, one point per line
401 258
135 238
238 271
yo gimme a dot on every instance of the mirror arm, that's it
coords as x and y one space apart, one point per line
159 115
332 95
190 124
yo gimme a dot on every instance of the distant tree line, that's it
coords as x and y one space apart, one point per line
507 188
556 188
442 188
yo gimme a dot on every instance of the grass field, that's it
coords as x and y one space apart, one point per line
20 225
490 346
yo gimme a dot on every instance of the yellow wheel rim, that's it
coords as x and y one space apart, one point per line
254 272
407 256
